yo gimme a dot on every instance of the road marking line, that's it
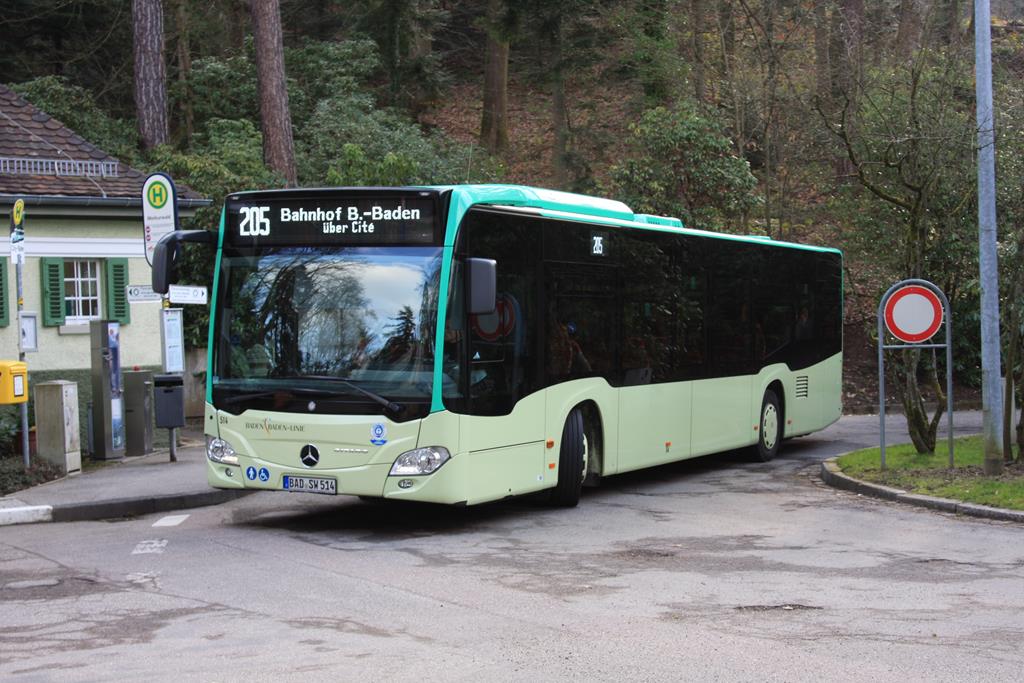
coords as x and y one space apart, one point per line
151 546
170 520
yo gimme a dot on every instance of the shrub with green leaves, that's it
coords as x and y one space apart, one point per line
682 164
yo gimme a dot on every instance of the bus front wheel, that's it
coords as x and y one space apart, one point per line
770 428
572 462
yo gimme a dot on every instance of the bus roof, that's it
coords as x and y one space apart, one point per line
549 203
571 206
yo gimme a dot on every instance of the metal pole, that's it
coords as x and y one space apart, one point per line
991 395
949 375
881 379
21 357
174 444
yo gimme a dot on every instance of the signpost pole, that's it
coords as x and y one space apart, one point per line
18 255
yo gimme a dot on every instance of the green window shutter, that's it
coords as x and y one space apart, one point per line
51 271
117 297
5 309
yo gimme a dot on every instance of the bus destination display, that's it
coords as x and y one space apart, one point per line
372 220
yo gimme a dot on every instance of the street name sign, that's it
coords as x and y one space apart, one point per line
187 294
139 294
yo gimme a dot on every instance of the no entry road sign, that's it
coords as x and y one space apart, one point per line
913 314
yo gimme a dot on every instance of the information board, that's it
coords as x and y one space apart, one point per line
172 340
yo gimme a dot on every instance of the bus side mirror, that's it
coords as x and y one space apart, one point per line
482 285
165 255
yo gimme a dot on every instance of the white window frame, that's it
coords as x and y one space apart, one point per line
77 297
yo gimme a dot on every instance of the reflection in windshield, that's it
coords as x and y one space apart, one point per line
363 313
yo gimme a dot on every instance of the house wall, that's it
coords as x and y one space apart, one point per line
67 347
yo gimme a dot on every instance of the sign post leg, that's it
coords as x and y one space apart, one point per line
21 356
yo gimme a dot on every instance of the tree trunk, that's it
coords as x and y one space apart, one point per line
697 48
236 23
559 111
1010 363
822 84
184 70
923 432
494 122
852 14
727 30
275 117
908 35
150 72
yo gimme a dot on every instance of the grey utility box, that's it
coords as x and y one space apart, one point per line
169 401
138 409
57 431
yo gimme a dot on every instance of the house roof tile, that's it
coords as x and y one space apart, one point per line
28 133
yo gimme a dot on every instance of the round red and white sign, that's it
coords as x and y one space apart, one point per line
913 314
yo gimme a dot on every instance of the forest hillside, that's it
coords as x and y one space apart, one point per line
849 123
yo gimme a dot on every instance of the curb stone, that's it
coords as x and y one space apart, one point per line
112 509
833 475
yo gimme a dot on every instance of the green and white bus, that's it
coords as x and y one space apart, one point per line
465 344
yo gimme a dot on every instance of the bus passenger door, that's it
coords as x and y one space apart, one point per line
503 428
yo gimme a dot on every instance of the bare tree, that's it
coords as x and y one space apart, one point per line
184 55
494 122
275 117
150 71
908 35
822 84
697 29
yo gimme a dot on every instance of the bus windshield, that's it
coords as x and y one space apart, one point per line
327 329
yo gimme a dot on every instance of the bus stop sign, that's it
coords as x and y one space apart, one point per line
913 314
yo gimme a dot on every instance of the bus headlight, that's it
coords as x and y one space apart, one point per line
219 450
420 461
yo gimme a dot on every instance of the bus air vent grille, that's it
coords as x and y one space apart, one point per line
802 386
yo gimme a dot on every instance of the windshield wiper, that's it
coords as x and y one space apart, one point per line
284 390
392 407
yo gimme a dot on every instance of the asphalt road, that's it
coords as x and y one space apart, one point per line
715 569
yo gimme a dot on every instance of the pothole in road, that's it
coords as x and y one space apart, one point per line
786 607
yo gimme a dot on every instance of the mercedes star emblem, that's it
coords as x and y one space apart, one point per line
309 455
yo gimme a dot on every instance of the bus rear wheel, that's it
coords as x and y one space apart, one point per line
769 435
572 462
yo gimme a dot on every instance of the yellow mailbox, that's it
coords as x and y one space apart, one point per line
13 381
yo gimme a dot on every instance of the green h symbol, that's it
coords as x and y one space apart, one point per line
157 194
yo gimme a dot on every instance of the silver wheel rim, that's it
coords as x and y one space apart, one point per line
586 455
770 426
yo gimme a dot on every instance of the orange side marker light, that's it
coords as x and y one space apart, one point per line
551 465
551 443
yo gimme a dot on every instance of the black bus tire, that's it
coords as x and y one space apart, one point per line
769 431
570 463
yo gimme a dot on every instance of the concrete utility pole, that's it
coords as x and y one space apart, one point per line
991 395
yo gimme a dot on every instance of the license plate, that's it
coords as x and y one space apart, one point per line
324 485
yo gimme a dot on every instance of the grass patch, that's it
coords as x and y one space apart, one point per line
930 474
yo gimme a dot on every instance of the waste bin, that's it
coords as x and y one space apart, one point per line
169 401
138 400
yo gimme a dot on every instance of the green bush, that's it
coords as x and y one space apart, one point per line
8 430
682 164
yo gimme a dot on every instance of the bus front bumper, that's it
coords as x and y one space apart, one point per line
445 485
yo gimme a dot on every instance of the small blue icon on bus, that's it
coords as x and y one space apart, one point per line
250 473
378 434
264 474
